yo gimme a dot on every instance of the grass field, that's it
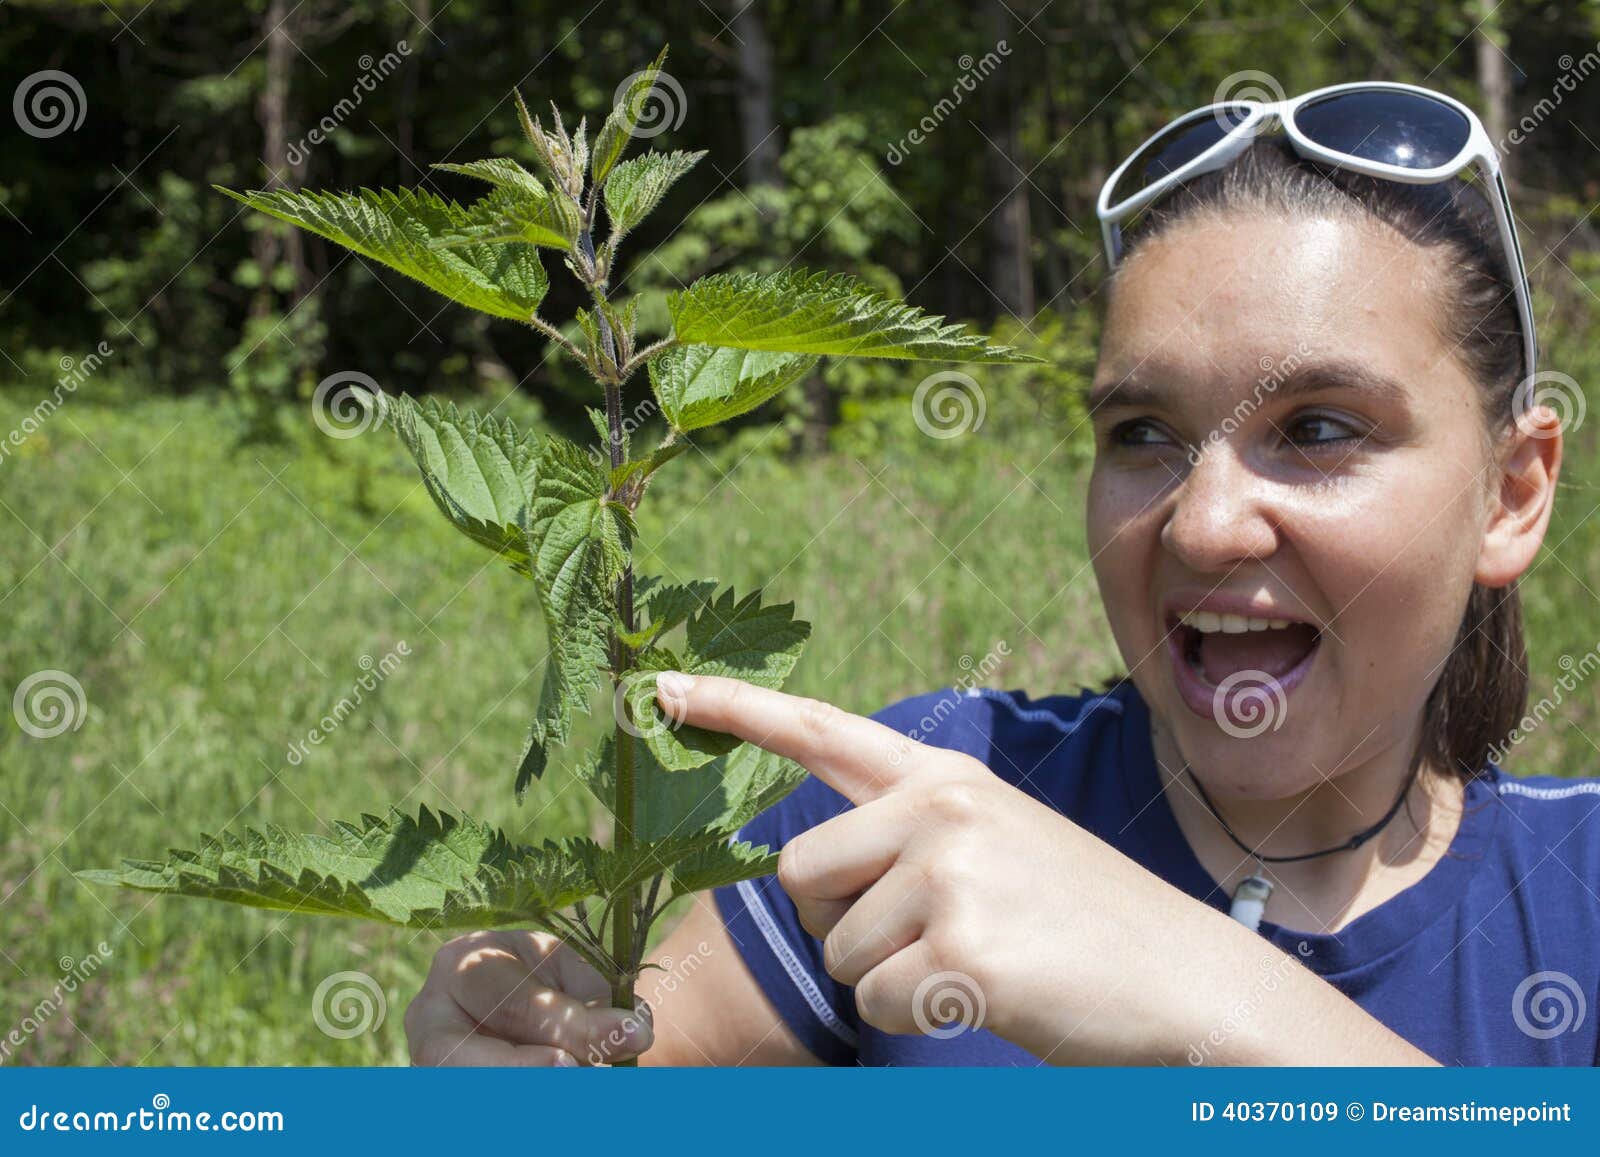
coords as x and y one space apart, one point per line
214 602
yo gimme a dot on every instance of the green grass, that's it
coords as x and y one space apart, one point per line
215 601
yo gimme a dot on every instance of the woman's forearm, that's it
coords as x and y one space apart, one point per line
1221 995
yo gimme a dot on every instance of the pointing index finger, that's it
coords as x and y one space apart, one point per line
857 757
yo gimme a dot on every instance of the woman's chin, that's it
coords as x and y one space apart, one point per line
1270 766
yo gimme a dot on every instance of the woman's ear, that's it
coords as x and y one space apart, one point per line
1529 459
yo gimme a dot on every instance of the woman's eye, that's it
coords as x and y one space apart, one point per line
1314 431
1139 432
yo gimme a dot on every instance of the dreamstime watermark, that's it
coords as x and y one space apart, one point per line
372 72
972 73
73 973
340 410
1274 372
948 404
1573 73
49 703
1251 84
947 1004
631 421
974 673
347 1004
49 103
672 973
654 110
1248 702
1274 969
1577 671
160 1117
374 673
1554 391
74 372
633 703
1547 1004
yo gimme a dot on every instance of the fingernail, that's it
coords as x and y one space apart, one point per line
626 1033
566 1060
674 685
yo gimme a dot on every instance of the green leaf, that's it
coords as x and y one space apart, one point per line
721 864
820 313
671 604
744 640
739 639
698 807
612 139
502 172
543 507
510 214
399 228
595 347
641 468
637 186
701 385
480 471
577 542
435 872
597 418
663 606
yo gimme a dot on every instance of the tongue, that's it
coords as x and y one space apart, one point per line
1272 652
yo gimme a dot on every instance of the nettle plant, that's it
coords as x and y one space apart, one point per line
563 518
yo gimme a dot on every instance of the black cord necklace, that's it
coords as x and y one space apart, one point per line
1349 845
1251 895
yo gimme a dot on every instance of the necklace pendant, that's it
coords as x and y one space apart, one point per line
1250 901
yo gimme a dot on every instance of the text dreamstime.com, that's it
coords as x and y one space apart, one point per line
160 1117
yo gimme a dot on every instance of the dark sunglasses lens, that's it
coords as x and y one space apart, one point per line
1405 129
1175 148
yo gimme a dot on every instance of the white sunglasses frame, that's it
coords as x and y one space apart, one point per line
1478 152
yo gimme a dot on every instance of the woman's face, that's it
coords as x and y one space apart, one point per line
1291 488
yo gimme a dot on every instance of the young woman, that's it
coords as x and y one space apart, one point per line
1316 484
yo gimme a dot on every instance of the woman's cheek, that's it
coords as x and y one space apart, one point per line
1123 532
1395 567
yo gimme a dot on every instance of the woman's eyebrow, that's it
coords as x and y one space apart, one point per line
1149 387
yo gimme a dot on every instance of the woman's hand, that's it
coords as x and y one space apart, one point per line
518 998
945 887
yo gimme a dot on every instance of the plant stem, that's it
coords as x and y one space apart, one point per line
624 909
558 337
646 354
625 946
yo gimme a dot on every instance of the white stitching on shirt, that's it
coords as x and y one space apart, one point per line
1510 787
797 971
1043 715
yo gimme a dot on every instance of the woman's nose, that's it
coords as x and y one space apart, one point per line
1221 513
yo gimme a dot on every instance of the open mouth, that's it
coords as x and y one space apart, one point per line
1225 662
1219 646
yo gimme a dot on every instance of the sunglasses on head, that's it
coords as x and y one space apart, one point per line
1395 131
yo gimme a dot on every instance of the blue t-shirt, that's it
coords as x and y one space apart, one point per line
1493 958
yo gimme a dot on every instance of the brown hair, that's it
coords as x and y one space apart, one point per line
1482 691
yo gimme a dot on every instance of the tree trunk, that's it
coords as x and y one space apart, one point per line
281 242
762 149
1494 80
1008 268
757 128
422 10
